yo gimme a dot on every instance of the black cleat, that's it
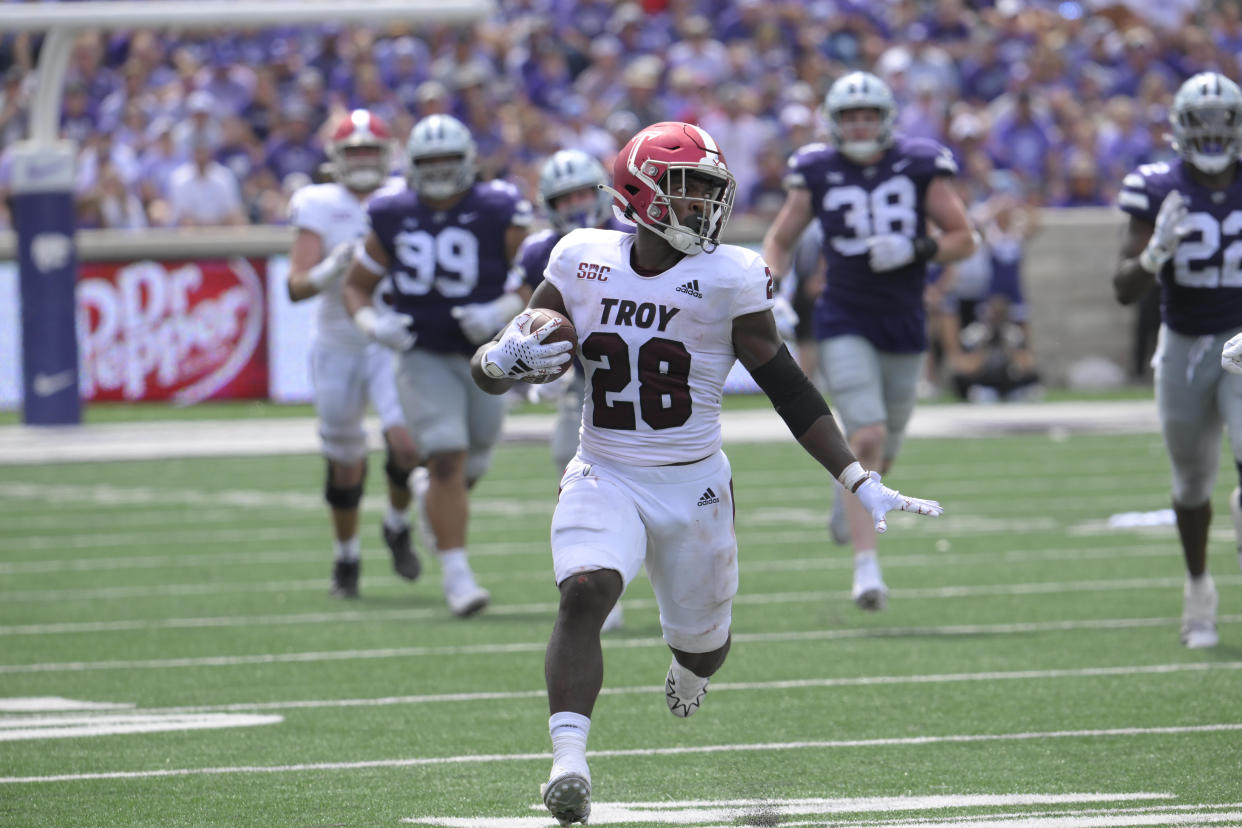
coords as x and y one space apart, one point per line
345 579
404 559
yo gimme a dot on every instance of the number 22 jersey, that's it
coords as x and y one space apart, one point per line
1201 286
656 349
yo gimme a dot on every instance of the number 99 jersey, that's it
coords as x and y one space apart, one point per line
655 349
1201 286
439 259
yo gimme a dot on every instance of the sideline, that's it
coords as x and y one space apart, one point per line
22 444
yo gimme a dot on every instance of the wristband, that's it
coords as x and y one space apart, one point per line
364 318
490 368
925 248
852 476
321 274
1148 262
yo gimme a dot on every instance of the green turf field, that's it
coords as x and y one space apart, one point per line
1027 671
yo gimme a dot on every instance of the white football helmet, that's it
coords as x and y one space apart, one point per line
568 171
860 90
1207 122
360 150
443 157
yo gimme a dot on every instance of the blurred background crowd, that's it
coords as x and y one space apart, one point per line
1045 103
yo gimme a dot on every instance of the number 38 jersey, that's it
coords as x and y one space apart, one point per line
439 259
656 349
854 203
1201 286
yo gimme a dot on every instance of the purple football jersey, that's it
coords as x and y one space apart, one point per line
439 259
854 202
1201 286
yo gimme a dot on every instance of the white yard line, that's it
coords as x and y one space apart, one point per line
1016 628
717 687
645 752
743 599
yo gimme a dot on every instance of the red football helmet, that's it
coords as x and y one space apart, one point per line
652 169
361 150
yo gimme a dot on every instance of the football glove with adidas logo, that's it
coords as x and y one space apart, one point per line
519 355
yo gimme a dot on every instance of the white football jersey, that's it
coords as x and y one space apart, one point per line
336 215
656 349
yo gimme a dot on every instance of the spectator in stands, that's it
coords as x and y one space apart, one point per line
995 362
202 192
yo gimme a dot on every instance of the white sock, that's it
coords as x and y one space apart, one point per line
862 554
453 563
1200 583
396 519
348 550
569 733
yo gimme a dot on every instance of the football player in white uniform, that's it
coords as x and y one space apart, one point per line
660 324
347 370
1184 233
873 194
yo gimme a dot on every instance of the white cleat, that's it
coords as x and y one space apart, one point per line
683 691
614 619
838 523
869 592
1199 614
567 795
464 595
420 480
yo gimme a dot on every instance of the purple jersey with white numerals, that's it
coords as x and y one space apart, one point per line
1201 286
439 259
853 202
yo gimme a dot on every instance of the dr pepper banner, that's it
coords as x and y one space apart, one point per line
182 331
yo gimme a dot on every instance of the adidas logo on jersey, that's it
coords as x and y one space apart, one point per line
708 497
692 288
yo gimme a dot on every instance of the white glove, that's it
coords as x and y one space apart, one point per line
1231 355
391 330
334 266
521 355
1166 235
879 499
481 320
786 317
890 251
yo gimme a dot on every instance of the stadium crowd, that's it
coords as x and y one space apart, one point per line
188 128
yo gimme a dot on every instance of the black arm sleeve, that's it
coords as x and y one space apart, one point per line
792 394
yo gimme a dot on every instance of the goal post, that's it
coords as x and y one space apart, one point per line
43 166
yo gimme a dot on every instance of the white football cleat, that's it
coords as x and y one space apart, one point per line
614 620
683 691
567 795
420 480
838 523
1199 614
464 595
869 591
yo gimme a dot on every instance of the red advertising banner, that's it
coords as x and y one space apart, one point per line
182 331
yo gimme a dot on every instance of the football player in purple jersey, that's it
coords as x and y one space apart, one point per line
1185 234
448 242
874 195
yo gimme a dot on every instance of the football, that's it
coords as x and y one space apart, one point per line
565 333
